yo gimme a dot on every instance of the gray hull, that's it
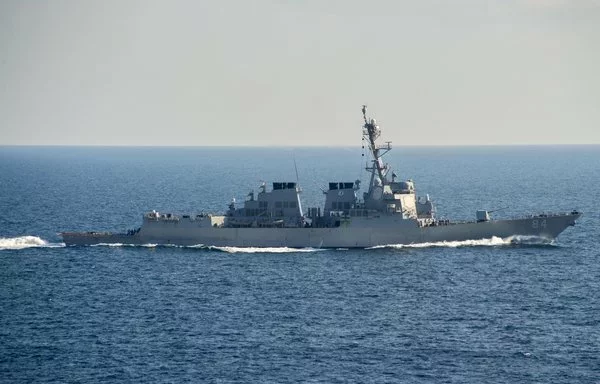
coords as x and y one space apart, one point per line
356 234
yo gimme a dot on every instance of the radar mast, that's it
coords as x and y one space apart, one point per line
371 133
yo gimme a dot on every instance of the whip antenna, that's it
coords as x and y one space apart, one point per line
296 168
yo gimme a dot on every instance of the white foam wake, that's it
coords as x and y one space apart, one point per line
222 249
109 245
149 245
263 249
530 240
493 242
22 242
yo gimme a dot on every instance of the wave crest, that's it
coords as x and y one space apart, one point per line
492 242
22 242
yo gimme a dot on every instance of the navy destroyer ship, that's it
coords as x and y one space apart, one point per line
388 212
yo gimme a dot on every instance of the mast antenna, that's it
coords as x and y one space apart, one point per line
296 168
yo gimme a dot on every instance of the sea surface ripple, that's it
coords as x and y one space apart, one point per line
491 310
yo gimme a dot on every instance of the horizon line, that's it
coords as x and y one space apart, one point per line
295 146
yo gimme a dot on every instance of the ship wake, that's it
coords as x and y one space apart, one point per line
22 242
214 248
492 242
149 245
264 249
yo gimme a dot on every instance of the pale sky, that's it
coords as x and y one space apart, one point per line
284 72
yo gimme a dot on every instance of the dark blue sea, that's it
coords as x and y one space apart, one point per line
485 311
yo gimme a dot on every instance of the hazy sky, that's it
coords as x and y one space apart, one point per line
284 72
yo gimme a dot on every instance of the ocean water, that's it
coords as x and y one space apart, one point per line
486 310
